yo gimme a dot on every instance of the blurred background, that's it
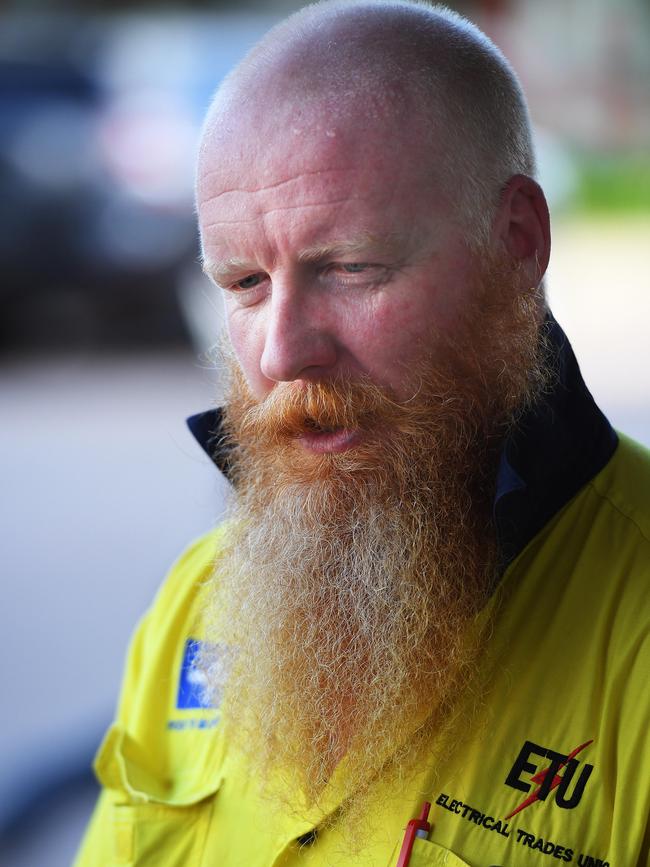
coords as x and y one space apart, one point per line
106 324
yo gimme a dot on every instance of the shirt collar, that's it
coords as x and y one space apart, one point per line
553 451
558 446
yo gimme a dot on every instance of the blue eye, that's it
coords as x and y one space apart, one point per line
248 282
355 267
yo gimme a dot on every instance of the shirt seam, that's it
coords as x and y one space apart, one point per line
619 509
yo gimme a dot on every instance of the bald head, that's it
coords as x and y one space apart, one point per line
386 68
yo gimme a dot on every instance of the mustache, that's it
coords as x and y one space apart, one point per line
293 408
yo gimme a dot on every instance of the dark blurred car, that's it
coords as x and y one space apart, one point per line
84 258
98 124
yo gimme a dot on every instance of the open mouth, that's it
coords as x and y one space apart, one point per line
322 438
313 426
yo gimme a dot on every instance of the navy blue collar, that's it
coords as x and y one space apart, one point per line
555 449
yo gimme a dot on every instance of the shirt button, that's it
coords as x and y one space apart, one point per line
308 838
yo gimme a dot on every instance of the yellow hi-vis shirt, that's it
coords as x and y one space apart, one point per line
554 767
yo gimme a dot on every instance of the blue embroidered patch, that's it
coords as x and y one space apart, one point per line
192 682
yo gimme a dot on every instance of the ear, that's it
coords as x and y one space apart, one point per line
522 227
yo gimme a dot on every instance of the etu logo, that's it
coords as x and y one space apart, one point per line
549 778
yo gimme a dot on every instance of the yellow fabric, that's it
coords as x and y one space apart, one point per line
568 666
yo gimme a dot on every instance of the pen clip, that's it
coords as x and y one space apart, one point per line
419 827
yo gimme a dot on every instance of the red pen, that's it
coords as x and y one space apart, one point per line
416 828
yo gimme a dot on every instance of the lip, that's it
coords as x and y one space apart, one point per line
340 440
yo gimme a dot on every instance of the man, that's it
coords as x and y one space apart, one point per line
431 585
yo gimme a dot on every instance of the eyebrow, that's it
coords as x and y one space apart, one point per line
362 244
222 272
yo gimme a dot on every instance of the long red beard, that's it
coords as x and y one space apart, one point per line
350 583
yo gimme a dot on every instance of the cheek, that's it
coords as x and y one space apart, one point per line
393 339
409 321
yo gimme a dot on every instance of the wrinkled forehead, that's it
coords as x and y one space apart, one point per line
263 138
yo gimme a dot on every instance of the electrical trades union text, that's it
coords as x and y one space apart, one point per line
523 838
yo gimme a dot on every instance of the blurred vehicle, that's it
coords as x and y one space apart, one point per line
99 120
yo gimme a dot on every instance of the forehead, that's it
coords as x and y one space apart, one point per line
276 119
262 125
257 150
300 179
304 165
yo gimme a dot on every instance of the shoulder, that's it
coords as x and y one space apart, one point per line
159 644
603 533
589 569
187 577
601 543
624 484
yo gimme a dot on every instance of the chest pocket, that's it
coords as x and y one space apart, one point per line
427 854
151 835
155 821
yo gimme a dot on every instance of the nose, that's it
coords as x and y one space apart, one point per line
298 342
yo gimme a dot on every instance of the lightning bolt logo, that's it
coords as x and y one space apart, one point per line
540 777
